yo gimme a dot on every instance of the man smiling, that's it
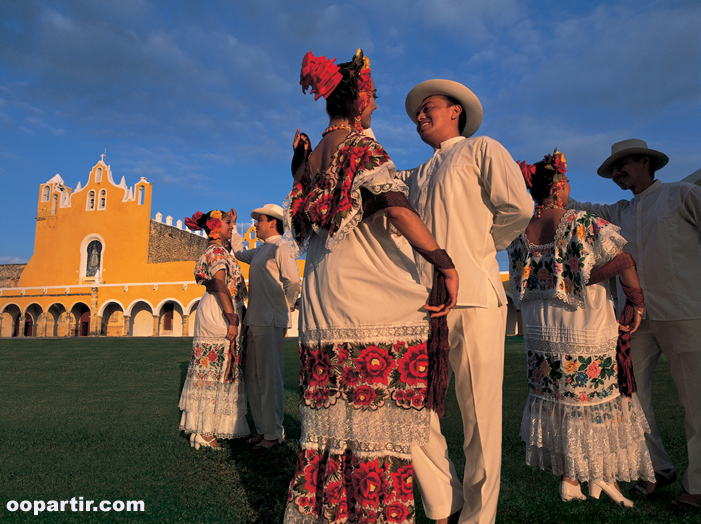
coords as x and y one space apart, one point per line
472 197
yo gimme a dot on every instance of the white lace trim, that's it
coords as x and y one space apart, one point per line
608 243
383 333
214 408
604 441
567 347
390 430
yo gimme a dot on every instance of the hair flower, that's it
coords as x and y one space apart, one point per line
527 170
320 74
192 221
215 214
213 224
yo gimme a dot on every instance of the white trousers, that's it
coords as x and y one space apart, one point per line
477 359
679 341
263 372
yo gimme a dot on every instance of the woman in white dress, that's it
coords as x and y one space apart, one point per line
213 400
582 420
368 376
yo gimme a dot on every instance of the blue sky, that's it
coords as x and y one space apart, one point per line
202 98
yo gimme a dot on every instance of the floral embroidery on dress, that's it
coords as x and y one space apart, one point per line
364 375
343 487
216 258
561 269
324 199
572 378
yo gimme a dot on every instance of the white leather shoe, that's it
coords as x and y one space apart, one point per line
569 492
596 486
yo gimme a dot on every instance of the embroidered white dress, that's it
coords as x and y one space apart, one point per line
364 360
576 422
213 400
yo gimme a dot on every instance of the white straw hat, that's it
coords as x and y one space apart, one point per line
630 147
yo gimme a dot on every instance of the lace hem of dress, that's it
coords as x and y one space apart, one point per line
567 347
383 333
214 408
340 427
604 441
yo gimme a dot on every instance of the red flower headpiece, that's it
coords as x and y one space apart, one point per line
320 74
527 170
211 222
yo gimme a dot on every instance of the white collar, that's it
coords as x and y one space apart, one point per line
450 142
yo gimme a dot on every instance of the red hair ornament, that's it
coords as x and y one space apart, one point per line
320 74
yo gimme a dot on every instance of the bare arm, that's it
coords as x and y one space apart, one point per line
415 231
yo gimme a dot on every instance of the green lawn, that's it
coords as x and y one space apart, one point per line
97 418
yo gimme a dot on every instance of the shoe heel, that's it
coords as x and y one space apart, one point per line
594 490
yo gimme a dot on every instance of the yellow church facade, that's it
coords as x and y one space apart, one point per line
102 267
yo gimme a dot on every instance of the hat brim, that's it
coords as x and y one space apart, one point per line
471 105
256 213
660 159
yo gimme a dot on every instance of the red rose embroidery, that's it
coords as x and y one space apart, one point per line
341 511
319 368
403 483
319 210
396 512
413 366
212 356
343 354
311 474
332 493
349 377
574 264
363 396
369 483
375 364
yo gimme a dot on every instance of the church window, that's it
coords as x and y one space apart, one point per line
103 199
54 205
90 204
45 193
93 258
140 197
98 175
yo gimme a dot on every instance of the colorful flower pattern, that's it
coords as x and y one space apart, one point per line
572 378
324 199
213 258
346 488
556 267
365 376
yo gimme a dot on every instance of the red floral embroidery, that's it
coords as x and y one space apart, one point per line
413 366
375 365
320 368
320 74
369 483
363 396
396 512
403 481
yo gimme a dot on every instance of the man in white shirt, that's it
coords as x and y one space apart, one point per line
662 224
472 197
274 285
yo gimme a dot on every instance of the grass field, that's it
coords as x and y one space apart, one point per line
97 418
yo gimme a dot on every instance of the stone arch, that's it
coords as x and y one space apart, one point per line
140 314
192 316
170 318
57 321
34 320
79 320
112 315
9 320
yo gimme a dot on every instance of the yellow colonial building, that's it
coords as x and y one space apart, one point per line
102 267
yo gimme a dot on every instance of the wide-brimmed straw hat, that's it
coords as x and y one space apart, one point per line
271 210
630 147
470 103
